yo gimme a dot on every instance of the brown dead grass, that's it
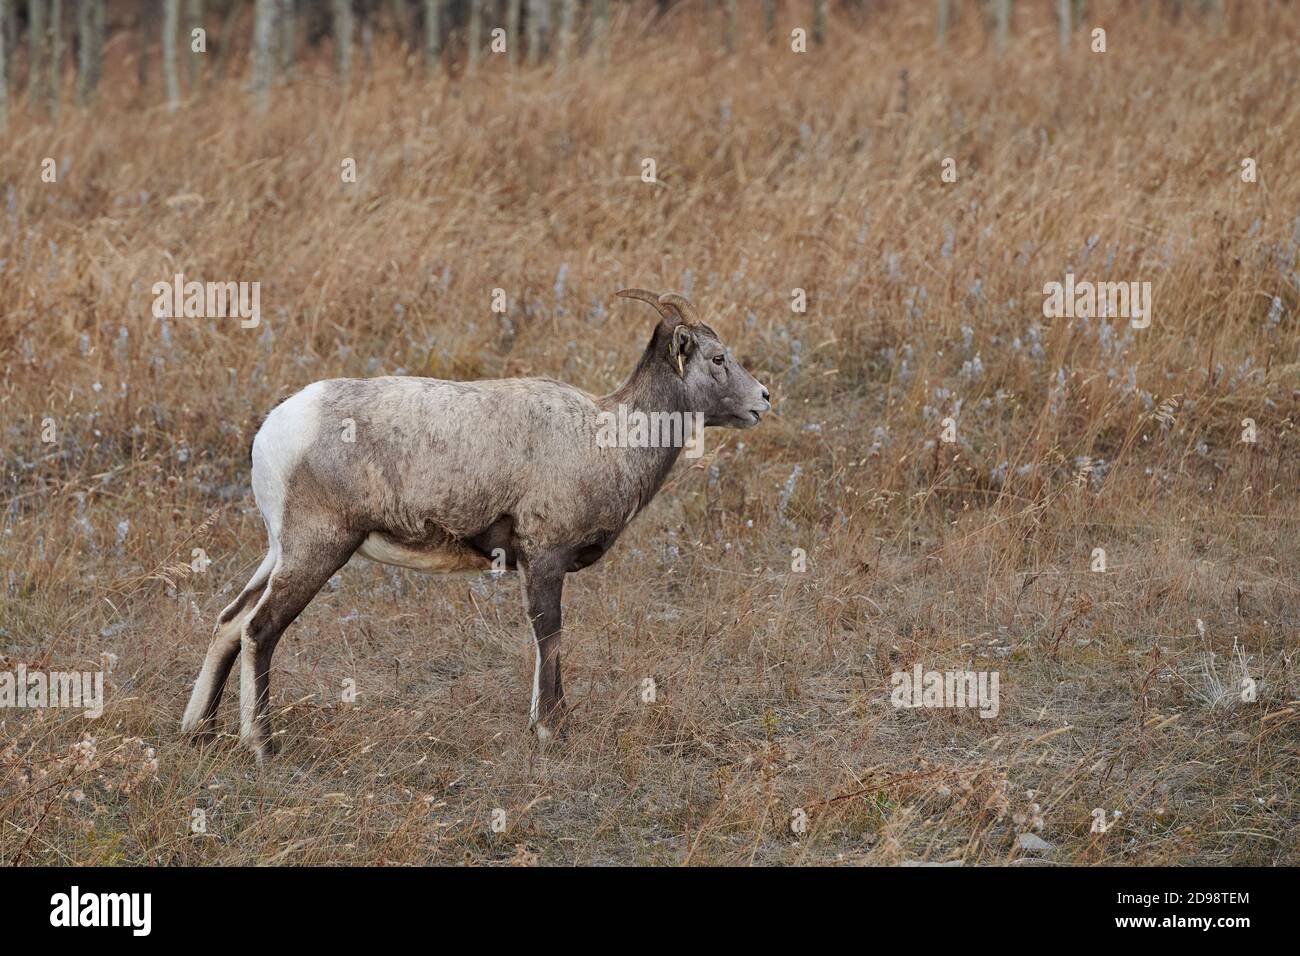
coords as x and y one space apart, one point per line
778 171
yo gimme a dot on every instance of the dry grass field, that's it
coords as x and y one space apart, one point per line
777 171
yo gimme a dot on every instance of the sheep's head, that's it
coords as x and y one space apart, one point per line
714 383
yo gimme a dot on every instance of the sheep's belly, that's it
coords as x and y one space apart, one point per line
442 557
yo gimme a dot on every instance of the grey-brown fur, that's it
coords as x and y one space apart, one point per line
443 474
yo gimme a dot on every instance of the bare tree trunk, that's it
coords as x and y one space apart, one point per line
432 33
194 63
1063 22
729 25
85 48
945 15
568 18
264 31
1003 12
600 26
90 48
36 53
534 30
769 18
539 24
474 40
4 64
99 26
56 54
342 29
287 35
819 22
9 23
170 24
533 25
514 39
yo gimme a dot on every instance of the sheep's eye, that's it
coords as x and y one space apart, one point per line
719 360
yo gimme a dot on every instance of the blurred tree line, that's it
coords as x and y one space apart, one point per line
42 41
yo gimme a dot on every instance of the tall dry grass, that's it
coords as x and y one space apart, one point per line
777 171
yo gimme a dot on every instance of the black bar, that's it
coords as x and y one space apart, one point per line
332 905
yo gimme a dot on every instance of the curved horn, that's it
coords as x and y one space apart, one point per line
649 297
682 305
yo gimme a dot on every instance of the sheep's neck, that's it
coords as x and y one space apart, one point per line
652 388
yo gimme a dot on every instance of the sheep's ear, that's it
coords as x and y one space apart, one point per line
681 346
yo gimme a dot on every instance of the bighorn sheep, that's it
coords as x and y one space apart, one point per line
443 476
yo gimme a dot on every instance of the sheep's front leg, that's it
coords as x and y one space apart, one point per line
543 585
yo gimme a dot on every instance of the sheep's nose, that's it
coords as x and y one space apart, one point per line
766 396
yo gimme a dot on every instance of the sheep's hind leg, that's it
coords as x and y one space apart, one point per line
543 589
300 573
201 712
